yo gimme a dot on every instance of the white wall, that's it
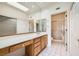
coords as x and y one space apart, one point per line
74 30
46 14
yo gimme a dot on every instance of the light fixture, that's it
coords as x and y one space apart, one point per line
57 8
18 5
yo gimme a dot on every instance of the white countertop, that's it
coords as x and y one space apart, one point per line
15 39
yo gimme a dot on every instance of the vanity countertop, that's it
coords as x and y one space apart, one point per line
15 39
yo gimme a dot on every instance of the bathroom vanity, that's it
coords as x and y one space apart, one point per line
33 43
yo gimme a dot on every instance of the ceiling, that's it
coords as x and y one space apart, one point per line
36 6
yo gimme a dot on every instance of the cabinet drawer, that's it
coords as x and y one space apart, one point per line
36 40
28 42
37 50
18 46
13 48
4 51
37 44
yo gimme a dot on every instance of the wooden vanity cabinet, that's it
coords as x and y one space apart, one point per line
32 47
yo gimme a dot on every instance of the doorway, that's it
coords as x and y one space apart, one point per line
58 32
58 26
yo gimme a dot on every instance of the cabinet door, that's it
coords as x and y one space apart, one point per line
21 45
44 41
29 50
4 51
16 47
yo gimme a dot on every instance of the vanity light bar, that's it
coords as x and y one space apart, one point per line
19 6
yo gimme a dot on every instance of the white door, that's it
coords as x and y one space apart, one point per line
74 30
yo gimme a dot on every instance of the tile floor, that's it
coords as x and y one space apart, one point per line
57 49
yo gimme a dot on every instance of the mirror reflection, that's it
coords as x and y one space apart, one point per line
7 25
18 21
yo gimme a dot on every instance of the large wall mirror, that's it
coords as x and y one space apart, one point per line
24 22
7 25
